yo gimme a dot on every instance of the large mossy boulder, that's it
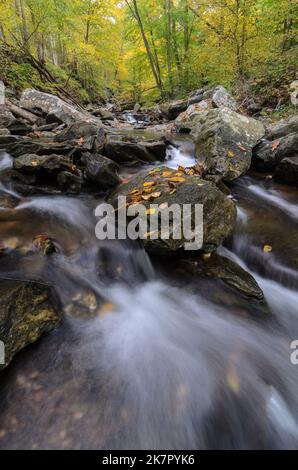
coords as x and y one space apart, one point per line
164 187
224 140
27 310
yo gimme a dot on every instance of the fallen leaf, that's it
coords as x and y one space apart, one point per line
149 183
231 154
155 170
275 144
107 308
177 179
206 256
34 163
156 194
81 141
241 147
267 248
167 174
164 205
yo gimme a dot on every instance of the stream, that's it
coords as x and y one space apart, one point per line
170 364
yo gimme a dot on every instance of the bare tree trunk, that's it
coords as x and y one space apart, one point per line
24 25
169 48
176 53
147 46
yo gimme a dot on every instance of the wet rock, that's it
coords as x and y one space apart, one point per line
282 128
69 182
287 171
27 310
224 141
219 211
73 149
6 140
220 267
122 150
51 170
4 132
58 109
101 170
268 154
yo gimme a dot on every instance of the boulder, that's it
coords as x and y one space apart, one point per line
287 171
219 211
268 154
193 111
58 109
282 128
50 170
101 170
224 140
219 97
78 130
27 310
122 150
104 114
220 267
176 107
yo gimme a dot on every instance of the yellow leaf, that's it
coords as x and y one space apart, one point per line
177 179
149 183
206 256
167 174
267 248
156 170
34 163
231 154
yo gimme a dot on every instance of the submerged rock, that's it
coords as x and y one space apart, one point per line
268 154
287 171
224 141
220 267
27 310
167 188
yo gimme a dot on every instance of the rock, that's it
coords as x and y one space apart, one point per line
6 140
177 107
70 183
55 107
27 310
122 150
34 169
101 170
294 92
193 111
268 154
224 141
73 149
282 128
78 130
196 96
287 171
221 97
219 211
220 267
104 114
4 132
2 93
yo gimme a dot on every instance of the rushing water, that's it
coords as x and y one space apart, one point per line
170 365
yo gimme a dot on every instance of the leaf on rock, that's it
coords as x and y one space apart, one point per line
275 144
267 248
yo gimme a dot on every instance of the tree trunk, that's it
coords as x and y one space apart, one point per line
147 46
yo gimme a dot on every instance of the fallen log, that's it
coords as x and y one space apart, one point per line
22 113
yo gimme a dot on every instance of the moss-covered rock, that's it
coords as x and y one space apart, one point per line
27 310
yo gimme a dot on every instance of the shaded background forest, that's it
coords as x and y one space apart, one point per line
147 50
